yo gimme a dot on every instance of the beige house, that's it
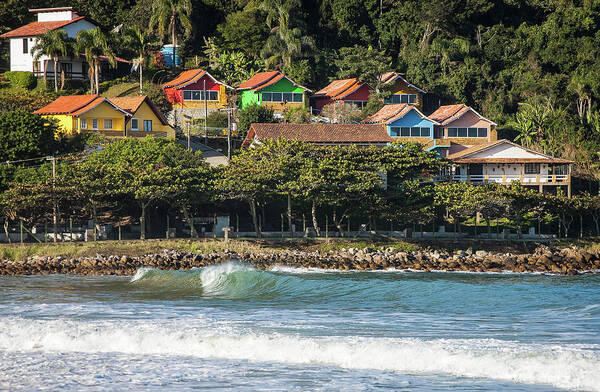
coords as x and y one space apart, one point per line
503 162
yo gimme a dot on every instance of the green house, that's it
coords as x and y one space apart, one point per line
273 89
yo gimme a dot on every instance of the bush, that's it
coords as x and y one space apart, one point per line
371 107
158 97
26 80
298 115
253 114
24 135
217 120
28 101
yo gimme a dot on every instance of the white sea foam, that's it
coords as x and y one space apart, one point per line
571 367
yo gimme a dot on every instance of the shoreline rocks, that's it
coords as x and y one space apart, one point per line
544 259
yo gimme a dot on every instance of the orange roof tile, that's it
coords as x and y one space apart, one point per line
390 77
392 112
38 28
449 113
261 79
66 104
340 88
320 133
132 104
185 78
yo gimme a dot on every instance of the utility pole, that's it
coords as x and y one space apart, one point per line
54 206
205 114
229 133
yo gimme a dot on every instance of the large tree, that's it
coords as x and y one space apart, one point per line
172 16
94 45
54 44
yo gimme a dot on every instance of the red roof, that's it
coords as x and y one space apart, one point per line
449 113
185 78
320 133
339 89
38 28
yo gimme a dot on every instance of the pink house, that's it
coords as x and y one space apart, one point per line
350 91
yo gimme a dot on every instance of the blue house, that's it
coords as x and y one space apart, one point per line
404 121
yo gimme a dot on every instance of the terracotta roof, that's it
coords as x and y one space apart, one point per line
339 89
185 77
38 28
67 104
132 104
392 112
320 133
265 79
449 113
74 105
55 9
463 156
390 77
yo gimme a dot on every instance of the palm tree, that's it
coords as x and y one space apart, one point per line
139 41
93 44
169 14
54 44
285 43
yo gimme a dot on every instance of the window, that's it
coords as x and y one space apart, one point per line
287 97
148 125
67 67
467 132
405 131
401 98
198 95
394 131
267 97
532 168
108 123
277 97
415 132
359 104
94 123
425 132
297 97
135 124
25 46
83 123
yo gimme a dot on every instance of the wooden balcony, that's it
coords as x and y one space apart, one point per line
118 133
551 179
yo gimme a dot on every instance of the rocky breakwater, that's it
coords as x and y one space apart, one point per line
545 259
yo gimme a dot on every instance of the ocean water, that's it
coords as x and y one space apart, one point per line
230 327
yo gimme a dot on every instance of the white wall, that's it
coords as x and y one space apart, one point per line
20 61
505 150
55 16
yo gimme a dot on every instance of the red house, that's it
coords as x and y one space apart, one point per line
186 91
346 90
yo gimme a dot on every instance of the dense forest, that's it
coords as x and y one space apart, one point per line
532 66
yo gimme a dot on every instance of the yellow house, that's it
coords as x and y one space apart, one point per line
402 90
145 118
93 113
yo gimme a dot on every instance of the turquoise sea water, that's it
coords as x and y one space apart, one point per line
230 327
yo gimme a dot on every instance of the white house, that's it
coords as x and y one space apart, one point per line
23 39
503 162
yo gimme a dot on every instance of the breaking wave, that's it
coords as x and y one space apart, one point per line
571 367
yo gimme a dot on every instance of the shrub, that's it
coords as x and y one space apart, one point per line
217 120
158 97
298 115
26 80
24 135
28 101
253 114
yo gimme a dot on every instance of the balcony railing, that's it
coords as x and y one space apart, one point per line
508 178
